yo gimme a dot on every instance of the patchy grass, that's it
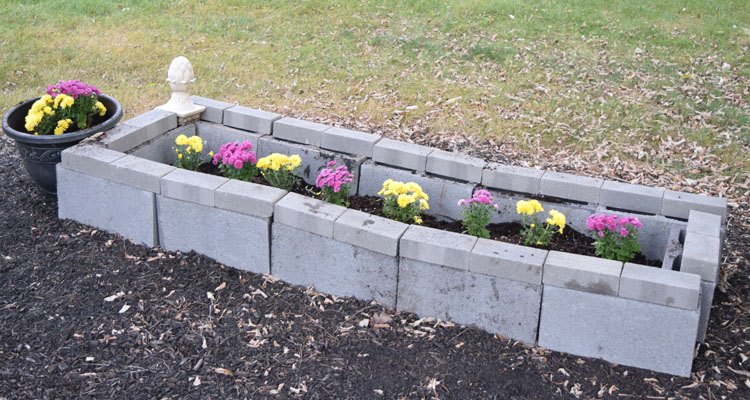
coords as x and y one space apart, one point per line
655 82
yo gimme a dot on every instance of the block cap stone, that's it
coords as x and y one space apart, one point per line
678 204
660 286
349 141
571 187
631 197
307 214
512 178
191 186
299 131
582 273
369 231
250 119
248 198
214 111
401 154
454 165
140 173
91 159
436 246
704 223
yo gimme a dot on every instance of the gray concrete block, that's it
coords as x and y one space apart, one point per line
215 135
631 197
368 231
90 159
673 250
162 148
299 131
701 255
313 159
509 177
250 119
703 223
191 186
679 204
214 109
349 141
437 246
504 307
307 214
106 205
233 239
707 298
139 173
571 187
121 138
660 286
341 269
582 273
140 129
248 198
401 154
508 261
456 166
444 194
618 330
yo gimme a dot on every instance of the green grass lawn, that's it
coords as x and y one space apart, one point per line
630 77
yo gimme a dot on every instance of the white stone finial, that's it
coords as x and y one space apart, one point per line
180 76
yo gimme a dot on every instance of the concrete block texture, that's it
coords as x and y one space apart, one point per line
444 194
401 154
90 159
582 273
299 131
436 246
509 177
703 223
619 330
248 198
140 129
250 119
679 204
191 186
575 214
331 266
507 261
701 255
162 148
707 299
660 286
349 141
139 173
368 231
129 211
215 135
233 239
504 307
214 109
307 214
571 187
631 197
456 166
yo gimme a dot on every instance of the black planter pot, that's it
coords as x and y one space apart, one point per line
42 152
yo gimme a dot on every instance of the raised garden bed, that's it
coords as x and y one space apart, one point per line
626 313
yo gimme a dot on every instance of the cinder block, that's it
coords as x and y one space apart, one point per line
369 231
162 148
679 204
307 214
631 197
582 273
703 223
707 298
437 246
701 255
90 159
341 269
660 286
673 250
571 187
214 109
456 166
140 173
191 186
121 138
508 261
444 194
313 159
250 119
140 129
618 330
215 135
299 131
106 205
248 198
509 177
401 154
233 239
349 142
500 306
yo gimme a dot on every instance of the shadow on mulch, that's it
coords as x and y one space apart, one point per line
183 326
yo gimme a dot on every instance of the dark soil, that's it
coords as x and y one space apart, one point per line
255 337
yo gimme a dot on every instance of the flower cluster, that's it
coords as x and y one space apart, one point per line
237 160
404 201
616 238
534 233
278 169
189 151
67 105
477 213
334 183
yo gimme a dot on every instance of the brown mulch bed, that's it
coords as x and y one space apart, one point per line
255 337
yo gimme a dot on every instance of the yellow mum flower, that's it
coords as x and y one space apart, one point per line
181 140
558 219
179 155
404 200
418 219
